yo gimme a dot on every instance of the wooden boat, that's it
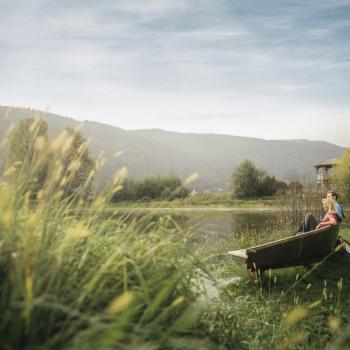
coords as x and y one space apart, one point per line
297 250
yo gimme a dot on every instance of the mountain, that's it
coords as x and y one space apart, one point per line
213 156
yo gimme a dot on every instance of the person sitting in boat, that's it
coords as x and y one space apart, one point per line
311 223
338 207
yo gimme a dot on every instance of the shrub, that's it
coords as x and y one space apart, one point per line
152 188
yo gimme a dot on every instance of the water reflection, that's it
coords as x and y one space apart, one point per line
212 225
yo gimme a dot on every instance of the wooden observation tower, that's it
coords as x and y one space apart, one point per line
324 173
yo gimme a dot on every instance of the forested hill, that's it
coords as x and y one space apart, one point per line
151 152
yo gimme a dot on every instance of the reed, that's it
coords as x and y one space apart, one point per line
76 276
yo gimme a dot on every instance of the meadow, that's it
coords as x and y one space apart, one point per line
75 274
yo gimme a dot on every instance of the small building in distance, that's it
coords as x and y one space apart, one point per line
324 173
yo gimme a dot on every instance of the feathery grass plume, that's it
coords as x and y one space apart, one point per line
334 324
120 303
118 154
291 341
63 263
294 316
192 178
314 304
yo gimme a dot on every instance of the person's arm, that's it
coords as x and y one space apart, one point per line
331 220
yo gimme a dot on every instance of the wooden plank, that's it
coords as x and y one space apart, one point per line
292 238
291 251
239 255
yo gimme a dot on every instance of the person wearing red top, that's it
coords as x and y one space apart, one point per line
310 223
331 217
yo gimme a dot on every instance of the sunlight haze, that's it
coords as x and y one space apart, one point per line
272 69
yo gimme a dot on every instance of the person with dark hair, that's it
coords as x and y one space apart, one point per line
338 207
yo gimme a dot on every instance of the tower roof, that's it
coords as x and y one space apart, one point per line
328 162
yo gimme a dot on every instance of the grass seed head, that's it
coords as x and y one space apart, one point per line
314 304
120 303
40 143
77 232
179 300
193 177
333 324
340 284
295 316
118 154
119 176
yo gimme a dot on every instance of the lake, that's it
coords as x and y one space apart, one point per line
214 227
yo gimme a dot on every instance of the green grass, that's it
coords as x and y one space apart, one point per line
210 200
76 275
291 308
87 282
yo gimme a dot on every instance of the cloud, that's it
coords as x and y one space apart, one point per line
198 62
158 7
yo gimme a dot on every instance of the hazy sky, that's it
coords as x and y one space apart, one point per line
263 68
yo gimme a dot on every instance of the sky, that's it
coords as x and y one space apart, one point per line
271 69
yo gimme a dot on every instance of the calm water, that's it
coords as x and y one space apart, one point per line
215 232
211 225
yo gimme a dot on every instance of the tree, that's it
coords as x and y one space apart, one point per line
62 163
341 175
246 180
77 162
25 150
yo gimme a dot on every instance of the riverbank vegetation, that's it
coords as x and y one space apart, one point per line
294 308
204 200
75 274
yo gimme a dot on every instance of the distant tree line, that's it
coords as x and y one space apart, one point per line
150 188
64 162
249 182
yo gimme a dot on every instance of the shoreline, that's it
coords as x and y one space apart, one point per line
202 209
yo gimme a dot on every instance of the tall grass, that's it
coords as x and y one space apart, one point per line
295 308
75 276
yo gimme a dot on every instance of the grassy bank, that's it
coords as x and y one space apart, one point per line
92 281
84 283
75 274
212 200
294 308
